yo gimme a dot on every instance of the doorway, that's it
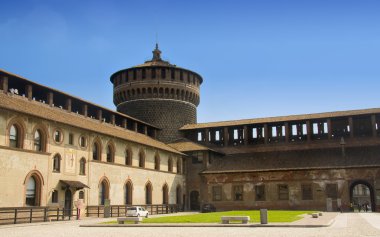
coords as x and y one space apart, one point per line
194 201
362 196
68 202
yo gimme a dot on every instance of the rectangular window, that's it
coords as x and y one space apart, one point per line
307 192
236 135
274 132
260 192
332 191
71 139
254 133
217 136
283 192
54 196
199 136
294 130
315 128
238 192
217 193
304 129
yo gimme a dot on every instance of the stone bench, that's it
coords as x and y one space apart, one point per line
227 219
136 219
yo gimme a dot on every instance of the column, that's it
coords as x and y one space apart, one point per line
287 135
85 110
309 130
207 135
29 92
329 128
135 126
100 115
112 119
351 124
245 134
68 104
225 136
124 123
266 134
50 98
373 125
4 85
145 130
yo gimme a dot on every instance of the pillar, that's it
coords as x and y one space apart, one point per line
112 119
329 128
29 92
266 134
135 126
4 85
68 104
207 135
351 124
245 134
373 125
309 130
124 123
145 130
287 135
85 110
50 98
225 136
100 115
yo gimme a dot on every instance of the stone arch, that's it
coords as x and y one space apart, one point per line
161 91
149 90
128 192
104 189
155 90
144 91
138 91
33 190
165 194
371 192
19 124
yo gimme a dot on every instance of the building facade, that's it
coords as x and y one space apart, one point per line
57 149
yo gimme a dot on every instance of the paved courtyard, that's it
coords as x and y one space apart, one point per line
346 224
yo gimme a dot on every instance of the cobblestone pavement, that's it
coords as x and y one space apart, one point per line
346 224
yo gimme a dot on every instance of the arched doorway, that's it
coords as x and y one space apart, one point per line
33 188
165 194
103 191
361 194
194 201
148 193
68 202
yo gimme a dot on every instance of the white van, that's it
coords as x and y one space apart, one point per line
137 211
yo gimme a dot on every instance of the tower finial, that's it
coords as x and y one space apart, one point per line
156 54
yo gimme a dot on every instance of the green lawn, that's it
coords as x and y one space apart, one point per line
214 217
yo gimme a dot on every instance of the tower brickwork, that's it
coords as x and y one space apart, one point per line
159 93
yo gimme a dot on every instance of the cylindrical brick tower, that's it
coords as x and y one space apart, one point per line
159 93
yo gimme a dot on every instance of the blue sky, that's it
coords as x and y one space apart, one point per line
257 58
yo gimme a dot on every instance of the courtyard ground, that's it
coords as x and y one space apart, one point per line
345 224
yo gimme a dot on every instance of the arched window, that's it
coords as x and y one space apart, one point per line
128 193
81 195
128 156
96 151
179 166
141 159
82 166
33 190
170 164
148 193
165 194
57 163
157 161
14 136
103 191
110 154
38 140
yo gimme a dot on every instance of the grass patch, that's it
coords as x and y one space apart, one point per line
214 217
